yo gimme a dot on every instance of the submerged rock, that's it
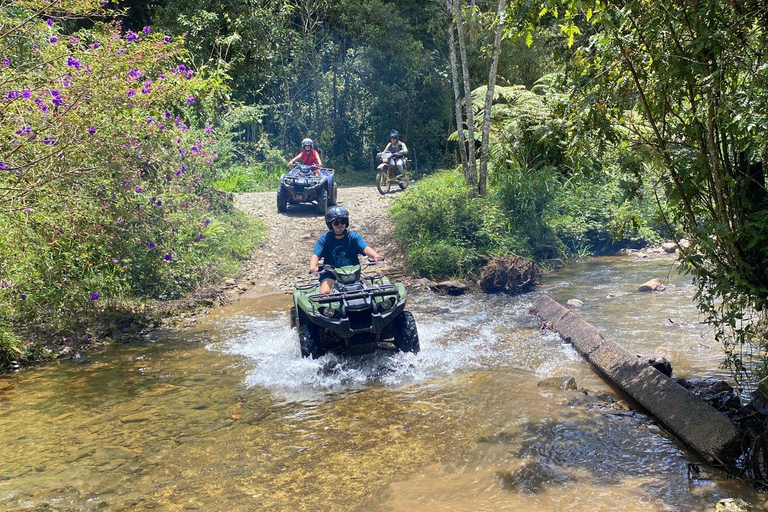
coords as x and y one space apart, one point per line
574 304
511 274
655 284
733 505
659 362
669 247
533 478
450 287
564 383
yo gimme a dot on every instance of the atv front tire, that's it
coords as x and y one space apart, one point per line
332 198
309 340
282 200
406 335
322 202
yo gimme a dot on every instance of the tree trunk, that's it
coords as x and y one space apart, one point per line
501 14
457 93
471 153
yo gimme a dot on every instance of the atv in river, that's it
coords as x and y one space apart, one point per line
301 185
361 315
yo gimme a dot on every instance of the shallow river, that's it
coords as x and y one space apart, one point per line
228 416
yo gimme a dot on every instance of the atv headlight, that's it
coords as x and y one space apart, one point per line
386 303
328 312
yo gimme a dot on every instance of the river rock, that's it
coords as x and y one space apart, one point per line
684 243
660 363
555 263
230 283
564 383
511 274
533 477
733 505
669 247
450 287
655 284
574 304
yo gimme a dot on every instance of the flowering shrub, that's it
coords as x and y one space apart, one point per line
105 168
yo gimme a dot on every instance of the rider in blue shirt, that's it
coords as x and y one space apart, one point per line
338 247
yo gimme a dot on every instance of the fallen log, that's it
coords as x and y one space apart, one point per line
692 420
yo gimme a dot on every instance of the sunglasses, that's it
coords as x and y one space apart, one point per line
340 222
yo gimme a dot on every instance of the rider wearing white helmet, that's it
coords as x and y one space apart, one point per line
308 155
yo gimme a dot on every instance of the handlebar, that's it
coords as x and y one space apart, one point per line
324 267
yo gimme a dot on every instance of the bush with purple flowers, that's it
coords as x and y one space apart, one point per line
81 157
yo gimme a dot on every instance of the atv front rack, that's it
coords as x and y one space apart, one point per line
385 289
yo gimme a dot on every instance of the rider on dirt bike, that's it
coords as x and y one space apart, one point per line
308 156
398 150
338 247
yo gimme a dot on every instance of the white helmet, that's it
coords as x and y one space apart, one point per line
307 142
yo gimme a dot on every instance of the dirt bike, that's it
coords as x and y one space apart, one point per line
300 185
387 172
362 314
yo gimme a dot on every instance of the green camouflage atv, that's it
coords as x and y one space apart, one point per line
362 314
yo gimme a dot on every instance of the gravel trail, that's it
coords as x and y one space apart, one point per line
282 258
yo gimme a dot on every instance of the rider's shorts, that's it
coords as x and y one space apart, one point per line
326 275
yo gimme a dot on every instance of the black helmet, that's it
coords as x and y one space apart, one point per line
333 213
394 134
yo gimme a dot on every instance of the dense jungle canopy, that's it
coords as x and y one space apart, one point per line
581 124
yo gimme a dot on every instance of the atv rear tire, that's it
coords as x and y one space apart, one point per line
309 340
406 335
322 202
294 317
282 200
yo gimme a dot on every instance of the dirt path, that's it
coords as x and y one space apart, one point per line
283 256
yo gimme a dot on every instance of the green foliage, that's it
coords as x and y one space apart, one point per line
256 178
106 164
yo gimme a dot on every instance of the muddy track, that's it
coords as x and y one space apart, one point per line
282 258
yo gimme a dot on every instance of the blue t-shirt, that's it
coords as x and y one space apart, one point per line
340 253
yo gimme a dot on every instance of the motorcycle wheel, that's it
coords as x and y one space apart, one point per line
382 182
403 183
309 341
322 202
282 200
406 334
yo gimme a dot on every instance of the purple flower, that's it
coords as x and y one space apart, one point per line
56 101
168 115
208 129
200 236
184 128
94 296
49 21
138 189
73 40
197 180
49 141
26 94
131 36
181 68
3 284
159 203
55 93
161 127
53 40
167 39
182 151
160 75
189 74
92 130
12 95
6 62
3 165
190 99
23 297
195 149
27 211
44 108
24 130
95 45
120 221
151 244
146 89
175 230
207 222
131 92
73 63
135 73
168 256
104 2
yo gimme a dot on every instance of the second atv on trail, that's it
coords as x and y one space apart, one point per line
302 185
361 315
